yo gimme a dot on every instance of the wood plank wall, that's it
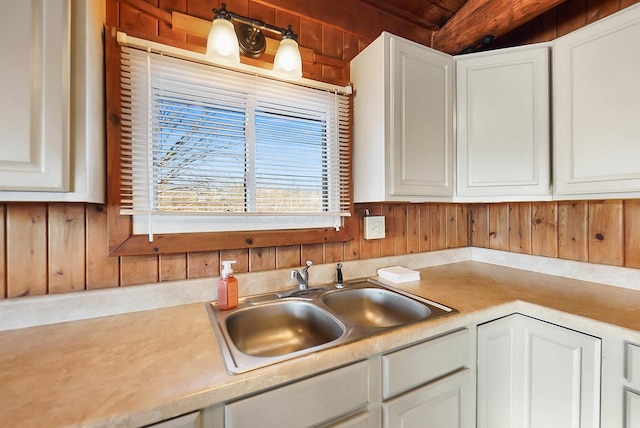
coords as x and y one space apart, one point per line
54 248
604 232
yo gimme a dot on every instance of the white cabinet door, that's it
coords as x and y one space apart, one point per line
596 109
310 402
52 122
403 129
533 374
440 404
35 105
421 108
503 116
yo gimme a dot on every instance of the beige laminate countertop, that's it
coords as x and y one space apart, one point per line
142 367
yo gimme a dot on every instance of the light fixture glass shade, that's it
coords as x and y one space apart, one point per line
288 62
222 43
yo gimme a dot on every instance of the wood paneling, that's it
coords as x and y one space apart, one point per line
50 248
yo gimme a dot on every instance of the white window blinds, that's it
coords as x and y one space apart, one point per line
206 141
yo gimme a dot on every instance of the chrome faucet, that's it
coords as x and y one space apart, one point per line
302 276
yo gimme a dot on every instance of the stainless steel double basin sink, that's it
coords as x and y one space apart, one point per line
266 329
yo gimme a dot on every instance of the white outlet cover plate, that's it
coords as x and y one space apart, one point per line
374 227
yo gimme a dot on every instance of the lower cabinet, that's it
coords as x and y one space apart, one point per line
439 404
313 401
425 384
535 374
429 384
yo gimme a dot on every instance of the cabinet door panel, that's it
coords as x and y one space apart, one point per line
632 409
503 123
533 374
309 402
421 127
440 404
34 112
596 109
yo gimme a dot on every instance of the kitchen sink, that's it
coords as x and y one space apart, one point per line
266 329
280 328
375 307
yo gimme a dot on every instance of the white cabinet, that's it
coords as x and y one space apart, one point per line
429 384
314 401
535 374
403 129
503 116
439 404
596 109
51 112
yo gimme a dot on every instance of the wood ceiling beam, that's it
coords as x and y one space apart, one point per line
478 18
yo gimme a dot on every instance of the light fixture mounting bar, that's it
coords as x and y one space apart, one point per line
255 23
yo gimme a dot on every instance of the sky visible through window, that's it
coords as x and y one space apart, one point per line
214 158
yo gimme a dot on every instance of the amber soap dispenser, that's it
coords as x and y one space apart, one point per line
227 287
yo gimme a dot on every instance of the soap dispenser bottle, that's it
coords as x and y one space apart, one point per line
227 287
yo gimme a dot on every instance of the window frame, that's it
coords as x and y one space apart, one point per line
122 241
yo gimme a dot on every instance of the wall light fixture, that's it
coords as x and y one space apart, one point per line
225 42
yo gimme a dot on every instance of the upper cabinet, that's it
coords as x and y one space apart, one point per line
52 114
596 89
503 135
403 129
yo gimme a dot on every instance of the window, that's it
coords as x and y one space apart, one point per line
210 149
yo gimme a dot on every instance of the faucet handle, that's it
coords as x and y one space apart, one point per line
339 281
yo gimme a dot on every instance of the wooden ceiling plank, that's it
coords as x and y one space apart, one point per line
402 13
478 18
355 17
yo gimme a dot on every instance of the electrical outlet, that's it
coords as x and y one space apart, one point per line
374 227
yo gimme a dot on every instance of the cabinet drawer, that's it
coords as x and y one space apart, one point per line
413 366
310 402
632 365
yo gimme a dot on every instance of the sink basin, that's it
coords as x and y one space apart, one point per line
265 329
375 307
281 328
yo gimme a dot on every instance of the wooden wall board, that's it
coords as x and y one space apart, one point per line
173 267
573 224
632 233
606 232
66 252
102 271
424 242
388 243
26 240
520 227
288 256
413 228
499 226
203 264
479 214
439 230
139 270
262 259
544 229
